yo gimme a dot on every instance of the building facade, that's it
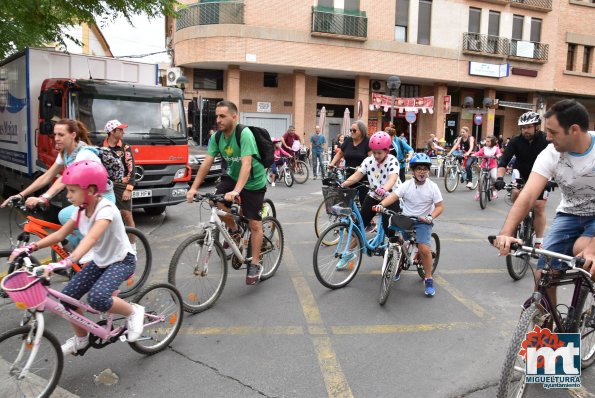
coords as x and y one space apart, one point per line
281 62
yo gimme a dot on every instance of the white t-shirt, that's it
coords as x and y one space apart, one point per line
418 200
575 175
377 174
113 245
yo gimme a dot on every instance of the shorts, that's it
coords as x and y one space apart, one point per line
423 232
565 230
251 200
119 188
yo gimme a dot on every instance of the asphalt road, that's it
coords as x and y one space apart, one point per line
292 337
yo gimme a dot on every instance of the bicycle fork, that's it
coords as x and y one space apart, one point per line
32 343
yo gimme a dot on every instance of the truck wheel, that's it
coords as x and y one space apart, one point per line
154 210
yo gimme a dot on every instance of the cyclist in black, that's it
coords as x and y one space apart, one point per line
525 147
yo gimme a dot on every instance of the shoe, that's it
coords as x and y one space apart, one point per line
345 259
135 323
272 184
397 277
494 195
476 196
429 283
75 344
314 177
469 185
253 274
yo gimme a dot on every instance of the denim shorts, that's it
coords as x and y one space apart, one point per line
423 232
563 233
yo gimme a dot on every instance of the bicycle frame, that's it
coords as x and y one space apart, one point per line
376 243
216 222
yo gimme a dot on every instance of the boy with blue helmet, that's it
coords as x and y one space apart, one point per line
421 198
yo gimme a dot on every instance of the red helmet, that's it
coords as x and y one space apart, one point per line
380 140
85 173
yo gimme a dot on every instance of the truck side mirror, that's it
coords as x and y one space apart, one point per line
47 110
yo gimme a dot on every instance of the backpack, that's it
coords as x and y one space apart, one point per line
264 143
113 165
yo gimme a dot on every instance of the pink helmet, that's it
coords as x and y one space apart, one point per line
85 173
380 140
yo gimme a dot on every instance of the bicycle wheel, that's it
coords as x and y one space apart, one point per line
391 258
272 247
300 172
322 221
328 266
512 376
435 248
163 318
475 172
517 266
268 209
15 349
484 190
288 178
144 261
198 275
451 178
586 327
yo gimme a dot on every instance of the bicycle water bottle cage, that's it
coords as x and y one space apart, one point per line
341 211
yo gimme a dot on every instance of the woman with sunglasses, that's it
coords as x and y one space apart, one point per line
354 150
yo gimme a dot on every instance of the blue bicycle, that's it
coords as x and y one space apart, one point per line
339 249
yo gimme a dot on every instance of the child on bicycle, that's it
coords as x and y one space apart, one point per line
101 225
279 152
422 199
491 148
382 170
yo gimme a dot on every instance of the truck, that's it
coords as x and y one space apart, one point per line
40 86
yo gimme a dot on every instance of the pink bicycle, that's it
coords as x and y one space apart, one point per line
31 359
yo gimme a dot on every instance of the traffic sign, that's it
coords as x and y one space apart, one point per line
411 117
478 120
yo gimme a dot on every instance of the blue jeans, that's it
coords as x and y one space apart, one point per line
317 157
468 164
563 233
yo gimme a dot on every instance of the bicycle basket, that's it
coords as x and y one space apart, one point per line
334 196
402 222
24 289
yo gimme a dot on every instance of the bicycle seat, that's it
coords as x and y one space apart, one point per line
341 211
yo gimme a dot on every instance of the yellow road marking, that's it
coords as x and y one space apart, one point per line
390 329
460 297
306 298
244 330
336 384
460 271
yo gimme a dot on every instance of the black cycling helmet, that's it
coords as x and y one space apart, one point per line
529 118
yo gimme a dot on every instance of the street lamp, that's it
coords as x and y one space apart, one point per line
393 84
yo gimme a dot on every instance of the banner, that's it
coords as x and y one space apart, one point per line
402 105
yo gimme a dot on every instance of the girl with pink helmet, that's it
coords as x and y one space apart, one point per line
99 221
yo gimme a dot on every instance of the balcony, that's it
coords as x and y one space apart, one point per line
344 24
528 51
537 5
211 13
492 46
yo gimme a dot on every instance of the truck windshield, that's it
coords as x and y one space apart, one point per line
142 115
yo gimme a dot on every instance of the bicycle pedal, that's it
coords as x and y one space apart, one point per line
123 338
82 351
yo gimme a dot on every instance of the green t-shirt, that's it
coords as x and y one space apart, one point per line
229 150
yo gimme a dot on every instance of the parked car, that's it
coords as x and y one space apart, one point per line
196 155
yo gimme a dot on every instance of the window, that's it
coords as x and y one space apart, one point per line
351 5
208 79
424 22
325 3
474 20
517 27
587 55
337 88
535 30
494 23
402 20
408 91
570 56
270 79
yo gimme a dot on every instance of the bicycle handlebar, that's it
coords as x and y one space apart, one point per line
20 204
218 198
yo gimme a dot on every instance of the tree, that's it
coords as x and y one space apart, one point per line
34 23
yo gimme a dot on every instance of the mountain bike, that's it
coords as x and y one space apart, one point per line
485 183
300 170
402 253
31 357
284 174
455 171
41 229
538 310
198 267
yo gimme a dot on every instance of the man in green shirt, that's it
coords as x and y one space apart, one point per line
246 178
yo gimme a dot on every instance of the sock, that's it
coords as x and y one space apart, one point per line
537 240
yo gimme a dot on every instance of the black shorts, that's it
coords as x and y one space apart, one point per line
251 200
119 188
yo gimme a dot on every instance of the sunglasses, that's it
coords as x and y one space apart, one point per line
353 130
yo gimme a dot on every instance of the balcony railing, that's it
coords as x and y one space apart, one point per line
485 44
339 22
210 13
536 51
538 5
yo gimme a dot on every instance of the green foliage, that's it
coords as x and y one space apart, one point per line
35 23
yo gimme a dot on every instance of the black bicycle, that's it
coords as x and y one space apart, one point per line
518 263
538 310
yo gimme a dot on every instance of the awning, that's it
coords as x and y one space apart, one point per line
518 105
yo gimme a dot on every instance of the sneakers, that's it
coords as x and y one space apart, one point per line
469 185
345 259
135 323
397 277
494 195
272 184
315 177
253 274
476 196
75 344
429 291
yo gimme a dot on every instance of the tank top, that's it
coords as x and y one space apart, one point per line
465 145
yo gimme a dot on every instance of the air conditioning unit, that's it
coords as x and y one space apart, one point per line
172 76
378 86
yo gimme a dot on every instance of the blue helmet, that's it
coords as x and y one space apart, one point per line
419 159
